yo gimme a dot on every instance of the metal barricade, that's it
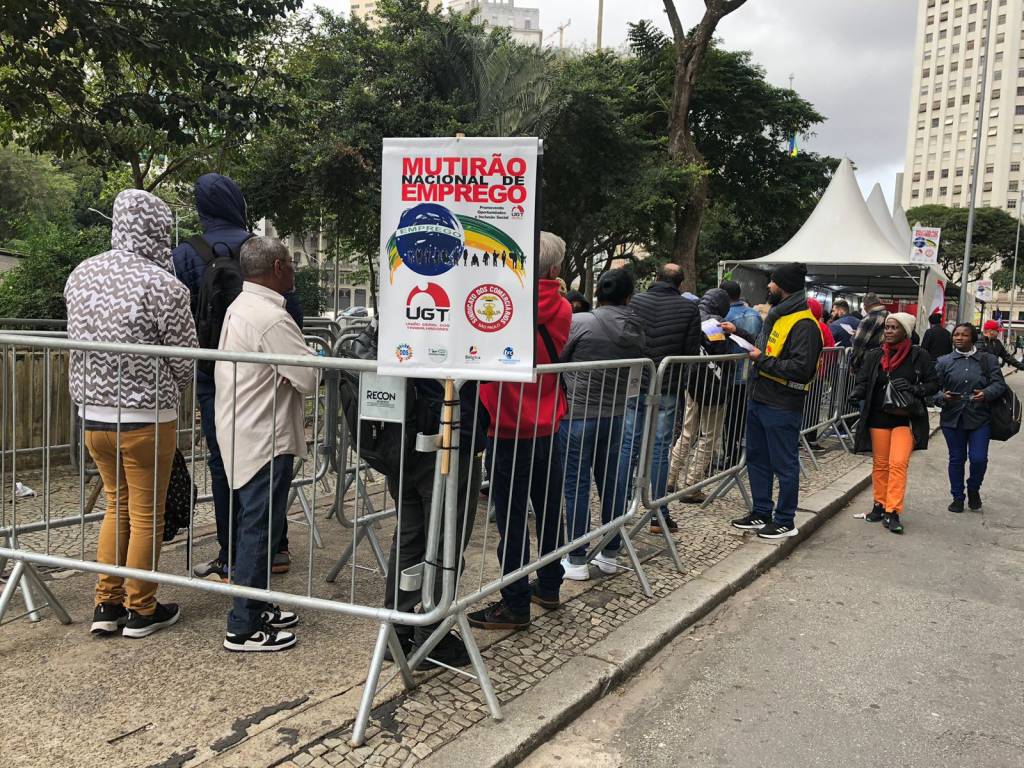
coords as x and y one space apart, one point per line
698 412
825 401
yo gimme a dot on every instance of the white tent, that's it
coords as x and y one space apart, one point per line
846 252
899 219
880 213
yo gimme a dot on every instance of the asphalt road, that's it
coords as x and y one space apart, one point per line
863 649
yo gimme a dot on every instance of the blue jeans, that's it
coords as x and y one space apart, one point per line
591 445
632 434
525 472
963 443
206 393
773 450
265 495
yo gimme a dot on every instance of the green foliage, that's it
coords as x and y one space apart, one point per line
992 242
309 290
32 188
150 85
35 288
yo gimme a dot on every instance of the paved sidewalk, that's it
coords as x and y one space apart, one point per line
178 700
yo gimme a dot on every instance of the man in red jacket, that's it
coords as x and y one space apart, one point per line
524 459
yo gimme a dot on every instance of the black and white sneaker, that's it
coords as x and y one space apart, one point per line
107 619
278 618
749 523
876 515
261 641
143 626
776 531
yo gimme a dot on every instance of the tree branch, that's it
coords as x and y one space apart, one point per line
678 33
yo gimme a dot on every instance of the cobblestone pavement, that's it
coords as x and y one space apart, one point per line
445 706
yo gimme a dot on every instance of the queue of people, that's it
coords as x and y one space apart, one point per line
544 443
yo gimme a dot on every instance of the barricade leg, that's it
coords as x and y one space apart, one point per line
25 575
384 635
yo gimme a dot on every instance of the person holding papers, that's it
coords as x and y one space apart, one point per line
707 389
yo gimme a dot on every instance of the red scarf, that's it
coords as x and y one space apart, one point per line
893 355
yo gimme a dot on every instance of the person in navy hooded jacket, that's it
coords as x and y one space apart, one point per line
222 215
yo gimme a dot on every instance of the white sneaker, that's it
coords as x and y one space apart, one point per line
260 641
609 565
575 572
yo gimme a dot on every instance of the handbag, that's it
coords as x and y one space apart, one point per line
181 498
894 402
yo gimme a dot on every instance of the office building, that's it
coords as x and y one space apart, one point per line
945 99
523 23
366 10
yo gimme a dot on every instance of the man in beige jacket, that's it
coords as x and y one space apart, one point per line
259 417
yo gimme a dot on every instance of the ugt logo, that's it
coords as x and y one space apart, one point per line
434 307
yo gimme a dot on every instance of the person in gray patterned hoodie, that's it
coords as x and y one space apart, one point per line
129 403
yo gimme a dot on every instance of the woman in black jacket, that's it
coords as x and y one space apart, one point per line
890 433
970 379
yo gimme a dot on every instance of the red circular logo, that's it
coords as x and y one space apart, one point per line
489 308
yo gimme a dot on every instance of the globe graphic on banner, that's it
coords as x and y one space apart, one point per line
429 239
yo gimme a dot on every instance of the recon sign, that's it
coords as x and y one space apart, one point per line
378 395
383 397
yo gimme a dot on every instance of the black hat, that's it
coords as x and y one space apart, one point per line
790 277
614 286
732 288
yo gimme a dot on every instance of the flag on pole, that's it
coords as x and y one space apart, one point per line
792 145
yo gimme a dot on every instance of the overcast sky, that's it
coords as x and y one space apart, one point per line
850 58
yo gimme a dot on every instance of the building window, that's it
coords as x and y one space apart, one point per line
943 191
1000 38
958 189
995 94
1001 19
1014 167
972 8
972 26
970 45
916 176
944 173
931 175
986 187
998 75
935 122
965 99
954 65
990 169
929 192
939 69
1020 109
526 24
926 72
1011 203
1014 186
915 193
959 172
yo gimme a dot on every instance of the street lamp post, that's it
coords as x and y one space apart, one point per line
600 22
977 163
1016 250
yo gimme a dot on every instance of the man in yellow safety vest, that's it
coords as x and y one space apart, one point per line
781 376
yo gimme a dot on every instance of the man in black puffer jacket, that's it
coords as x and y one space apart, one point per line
672 327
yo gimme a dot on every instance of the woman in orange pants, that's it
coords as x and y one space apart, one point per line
891 431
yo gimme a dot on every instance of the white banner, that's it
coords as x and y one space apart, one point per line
458 278
983 290
924 245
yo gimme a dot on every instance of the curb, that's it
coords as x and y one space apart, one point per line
554 703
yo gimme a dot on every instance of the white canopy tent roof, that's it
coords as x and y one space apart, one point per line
846 251
880 213
899 218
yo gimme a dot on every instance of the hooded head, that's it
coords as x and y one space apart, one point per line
219 201
714 303
815 306
142 225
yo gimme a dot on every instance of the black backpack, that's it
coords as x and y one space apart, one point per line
219 286
380 443
1004 411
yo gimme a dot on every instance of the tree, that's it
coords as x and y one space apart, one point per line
758 196
995 234
156 86
35 288
32 188
690 49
